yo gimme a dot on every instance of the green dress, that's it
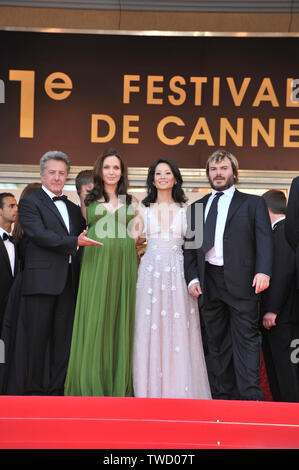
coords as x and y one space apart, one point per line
100 361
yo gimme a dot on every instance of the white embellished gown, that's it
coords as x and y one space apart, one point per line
168 359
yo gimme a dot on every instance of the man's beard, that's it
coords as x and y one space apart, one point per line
226 184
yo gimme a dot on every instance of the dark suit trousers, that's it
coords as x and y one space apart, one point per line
283 375
233 339
49 324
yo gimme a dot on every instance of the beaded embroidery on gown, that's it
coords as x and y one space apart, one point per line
168 359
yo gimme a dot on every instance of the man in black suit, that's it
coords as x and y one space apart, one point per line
292 221
227 272
8 253
55 230
280 308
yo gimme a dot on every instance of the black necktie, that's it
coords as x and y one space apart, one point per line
210 224
275 226
60 198
7 237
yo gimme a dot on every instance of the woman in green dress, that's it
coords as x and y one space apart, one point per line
100 361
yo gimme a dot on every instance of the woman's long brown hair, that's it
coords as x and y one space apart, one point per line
98 190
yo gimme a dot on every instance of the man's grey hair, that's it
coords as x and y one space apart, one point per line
54 155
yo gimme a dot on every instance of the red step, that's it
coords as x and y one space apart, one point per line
137 423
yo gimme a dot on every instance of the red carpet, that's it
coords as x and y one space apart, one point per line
264 383
132 423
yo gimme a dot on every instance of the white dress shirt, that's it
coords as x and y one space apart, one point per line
215 254
278 220
61 206
10 248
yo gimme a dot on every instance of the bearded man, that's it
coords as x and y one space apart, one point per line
227 273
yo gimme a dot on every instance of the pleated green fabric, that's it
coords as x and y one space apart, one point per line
100 361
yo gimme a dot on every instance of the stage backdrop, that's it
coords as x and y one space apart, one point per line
180 97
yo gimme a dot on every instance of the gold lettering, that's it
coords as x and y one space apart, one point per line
127 129
225 127
64 84
95 118
198 88
152 89
238 97
266 93
216 90
128 88
160 130
178 90
288 132
205 135
258 128
27 79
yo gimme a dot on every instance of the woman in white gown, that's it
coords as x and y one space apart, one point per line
168 358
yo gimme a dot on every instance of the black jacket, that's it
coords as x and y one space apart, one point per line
282 297
292 221
6 276
49 245
247 245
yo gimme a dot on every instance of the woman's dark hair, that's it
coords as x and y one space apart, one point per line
177 190
98 190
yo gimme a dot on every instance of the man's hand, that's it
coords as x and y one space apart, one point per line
269 320
195 289
83 240
260 282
